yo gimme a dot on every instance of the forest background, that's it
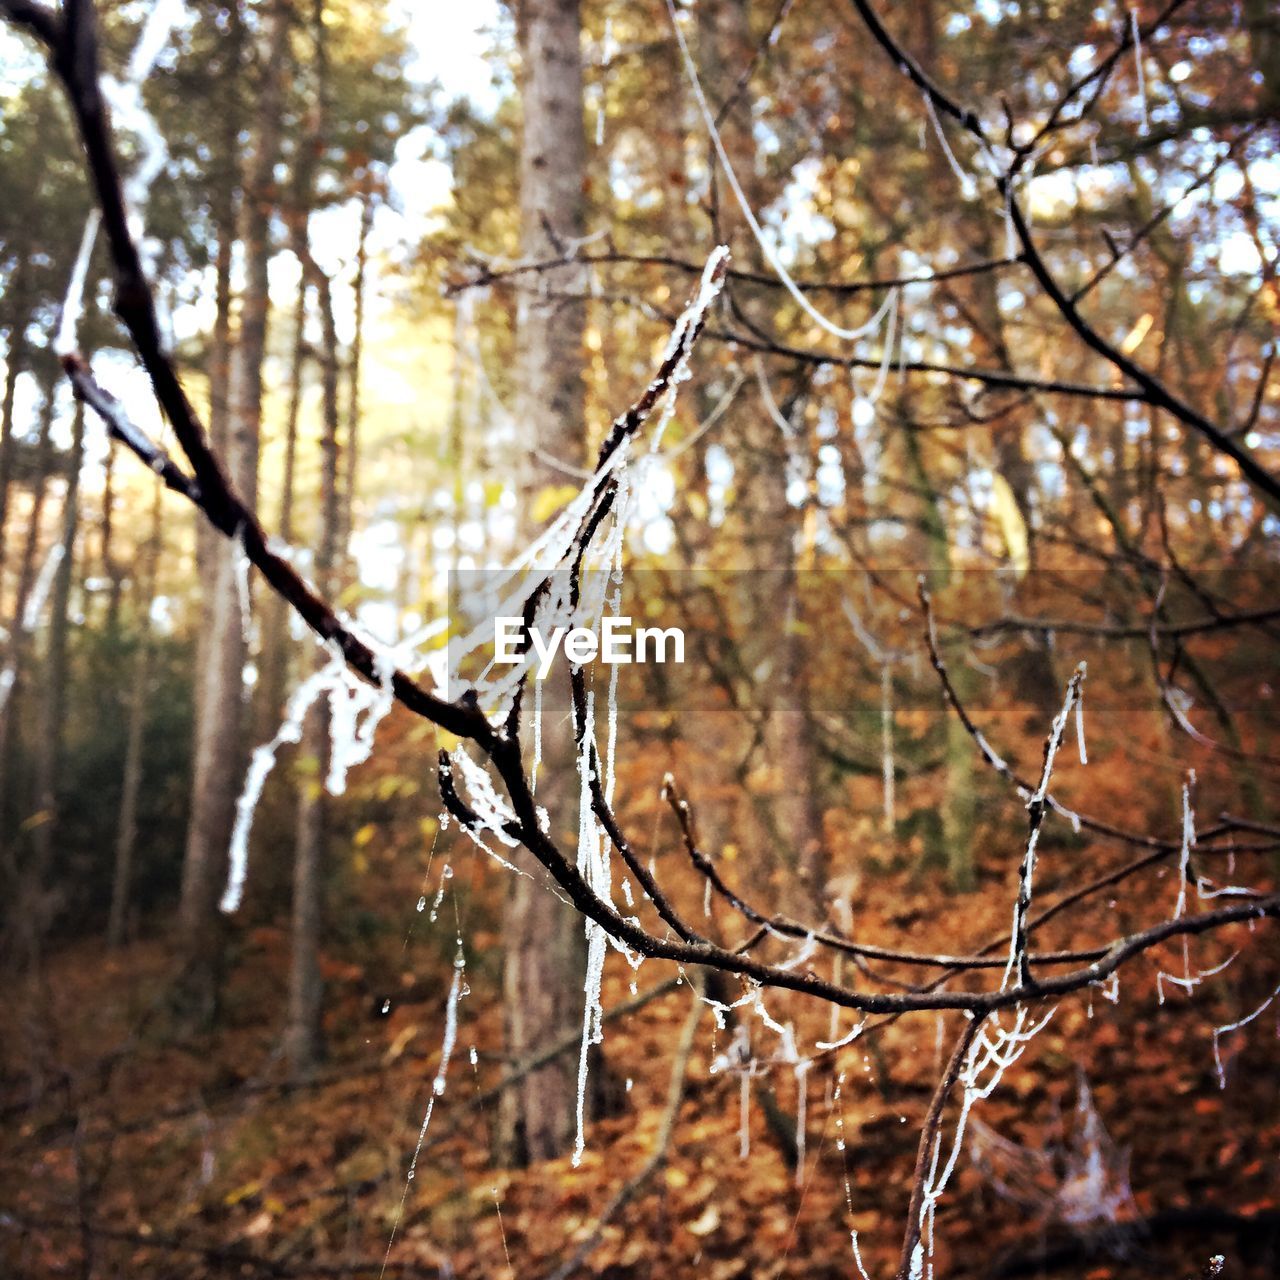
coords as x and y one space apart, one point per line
984 392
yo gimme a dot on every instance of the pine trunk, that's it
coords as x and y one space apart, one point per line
303 1041
20 908
15 362
135 730
542 979
53 691
276 643
351 471
219 757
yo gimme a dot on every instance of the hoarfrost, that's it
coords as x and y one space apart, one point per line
129 112
967 186
993 1051
766 246
802 1115
31 612
457 990
39 596
356 710
844 1040
1227 1027
1138 67
1189 980
594 867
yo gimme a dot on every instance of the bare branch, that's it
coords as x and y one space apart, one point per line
495 275
928 1136
1036 808
1156 393
40 20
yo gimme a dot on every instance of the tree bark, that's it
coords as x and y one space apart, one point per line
135 731
350 472
218 761
53 691
542 978
276 645
303 1040
15 363
21 909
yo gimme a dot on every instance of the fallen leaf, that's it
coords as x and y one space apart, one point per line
707 1222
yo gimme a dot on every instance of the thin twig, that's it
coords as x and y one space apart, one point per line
928 1136
1037 805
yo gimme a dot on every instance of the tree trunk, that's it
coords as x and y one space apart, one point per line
353 370
218 763
959 800
111 568
53 691
542 979
15 362
131 784
276 644
791 809
21 626
303 1042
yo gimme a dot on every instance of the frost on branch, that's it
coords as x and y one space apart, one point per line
128 112
1227 1027
356 708
571 571
31 612
992 1050
767 248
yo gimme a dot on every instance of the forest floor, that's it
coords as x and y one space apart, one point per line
131 1151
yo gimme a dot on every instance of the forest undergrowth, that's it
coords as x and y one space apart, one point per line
1109 1150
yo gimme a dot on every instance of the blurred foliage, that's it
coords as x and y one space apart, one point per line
1013 503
